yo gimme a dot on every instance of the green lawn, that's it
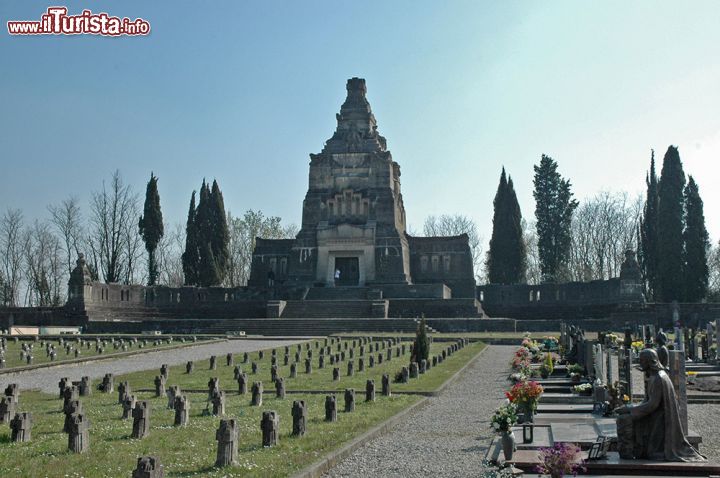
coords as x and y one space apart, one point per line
12 353
190 451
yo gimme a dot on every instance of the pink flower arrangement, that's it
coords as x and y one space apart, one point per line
560 459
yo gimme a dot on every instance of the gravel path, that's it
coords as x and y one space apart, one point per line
46 379
448 437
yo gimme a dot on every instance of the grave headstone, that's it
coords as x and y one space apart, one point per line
280 388
148 467
336 374
172 392
293 370
141 420
213 362
7 409
227 438
308 365
257 394
270 426
370 391
73 406
386 385
78 433
159 385
182 410
242 383
127 406
678 377
350 368
218 403
330 408
213 386
21 427
299 414
164 371
107 383
349 400
229 360
123 391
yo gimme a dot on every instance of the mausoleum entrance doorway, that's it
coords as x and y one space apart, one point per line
349 271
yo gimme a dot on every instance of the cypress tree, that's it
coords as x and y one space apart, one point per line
554 207
670 227
507 259
208 274
220 239
190 257
697 243
151 226
421 347
648 244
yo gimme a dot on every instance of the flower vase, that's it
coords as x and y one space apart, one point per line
508 444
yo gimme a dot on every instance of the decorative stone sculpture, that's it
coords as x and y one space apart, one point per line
148 467
299 414
662 350
141 420
227 438
21 427
78 435
330 408
270 426
654 425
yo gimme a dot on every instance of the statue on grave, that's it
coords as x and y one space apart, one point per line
654 426
662 350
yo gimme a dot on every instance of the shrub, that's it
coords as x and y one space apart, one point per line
421 347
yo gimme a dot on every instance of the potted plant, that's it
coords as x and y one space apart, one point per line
525 395
583 389
559 460
502 422
546 369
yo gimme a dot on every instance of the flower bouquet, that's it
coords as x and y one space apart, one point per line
560 459
504 418
583 389
525 395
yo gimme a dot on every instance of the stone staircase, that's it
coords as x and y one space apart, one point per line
337 293
327 309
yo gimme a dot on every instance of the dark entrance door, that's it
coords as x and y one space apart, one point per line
349 268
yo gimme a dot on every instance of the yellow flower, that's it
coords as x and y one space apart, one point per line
625 398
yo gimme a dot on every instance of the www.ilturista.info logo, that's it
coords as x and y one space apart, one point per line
57 22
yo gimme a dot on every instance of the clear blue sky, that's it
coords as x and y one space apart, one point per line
244 91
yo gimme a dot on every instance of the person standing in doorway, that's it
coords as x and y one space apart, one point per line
337 276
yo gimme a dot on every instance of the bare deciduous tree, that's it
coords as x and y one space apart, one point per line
114 212
67 219
454 225
11 225
169 256
533 274
43 266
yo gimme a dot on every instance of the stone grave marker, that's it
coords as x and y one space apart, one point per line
159 385
336 374
386 385
280 388
182 410
257 394
73 407
128 405
213 362
172 392
293 370
242 383
189 367
227 438
330 408
370 391
349 400
350 368
164 371
21 427
679 381
7 409
270 426
148 467
299 414
229 360
141 420
78 433
218 403
107 383
123 391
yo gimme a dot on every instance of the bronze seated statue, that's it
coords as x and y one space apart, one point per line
652 429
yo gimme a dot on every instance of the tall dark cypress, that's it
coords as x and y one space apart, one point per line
151 226
207 267
648 250
554 207
670 226
191 258
220 239
506 261
697 243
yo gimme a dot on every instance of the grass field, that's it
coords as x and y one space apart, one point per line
13 358
190 451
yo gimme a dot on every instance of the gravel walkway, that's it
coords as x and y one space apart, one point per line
449 437
46 379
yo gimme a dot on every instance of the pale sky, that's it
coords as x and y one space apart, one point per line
245 91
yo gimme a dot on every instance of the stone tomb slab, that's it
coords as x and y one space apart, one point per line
565 398
542 438
564 408
526 460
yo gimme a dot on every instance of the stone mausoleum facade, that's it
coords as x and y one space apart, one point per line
353 221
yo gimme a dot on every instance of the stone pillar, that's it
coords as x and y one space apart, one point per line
370 391
21 427
679 381
280 388
148 467
330 408
386 385
159 385
141 420
242 383
299 414
270 426
218 403
78 434
227 438
182 410
349 400
257 394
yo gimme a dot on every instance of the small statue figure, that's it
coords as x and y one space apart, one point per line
654 425
662 350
